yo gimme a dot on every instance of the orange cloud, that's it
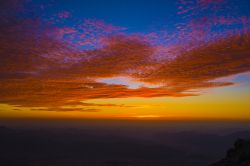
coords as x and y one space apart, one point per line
78 103
198 67
56 93
38 68
43 76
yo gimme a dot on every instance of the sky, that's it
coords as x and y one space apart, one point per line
133 59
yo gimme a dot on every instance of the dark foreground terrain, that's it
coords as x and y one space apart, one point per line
239 155
121 146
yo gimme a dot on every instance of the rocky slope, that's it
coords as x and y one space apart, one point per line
237 156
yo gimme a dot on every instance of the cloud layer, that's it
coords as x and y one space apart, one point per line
41 64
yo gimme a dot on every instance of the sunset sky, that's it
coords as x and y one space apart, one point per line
133 59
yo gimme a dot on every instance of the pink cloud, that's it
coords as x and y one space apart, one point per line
64 14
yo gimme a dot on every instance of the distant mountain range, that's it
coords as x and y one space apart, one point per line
119 147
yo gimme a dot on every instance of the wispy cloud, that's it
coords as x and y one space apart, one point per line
198 67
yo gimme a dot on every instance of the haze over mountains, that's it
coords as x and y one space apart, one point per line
121 145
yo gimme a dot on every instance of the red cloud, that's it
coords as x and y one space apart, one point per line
198 67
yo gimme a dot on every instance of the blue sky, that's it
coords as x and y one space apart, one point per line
133 14
136 15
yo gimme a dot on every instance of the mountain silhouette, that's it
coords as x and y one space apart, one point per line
239 155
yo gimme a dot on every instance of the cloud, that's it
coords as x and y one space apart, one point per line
70 110
41 66
120 55
198 67
64 14
90 32
191 7
55 93
78 103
